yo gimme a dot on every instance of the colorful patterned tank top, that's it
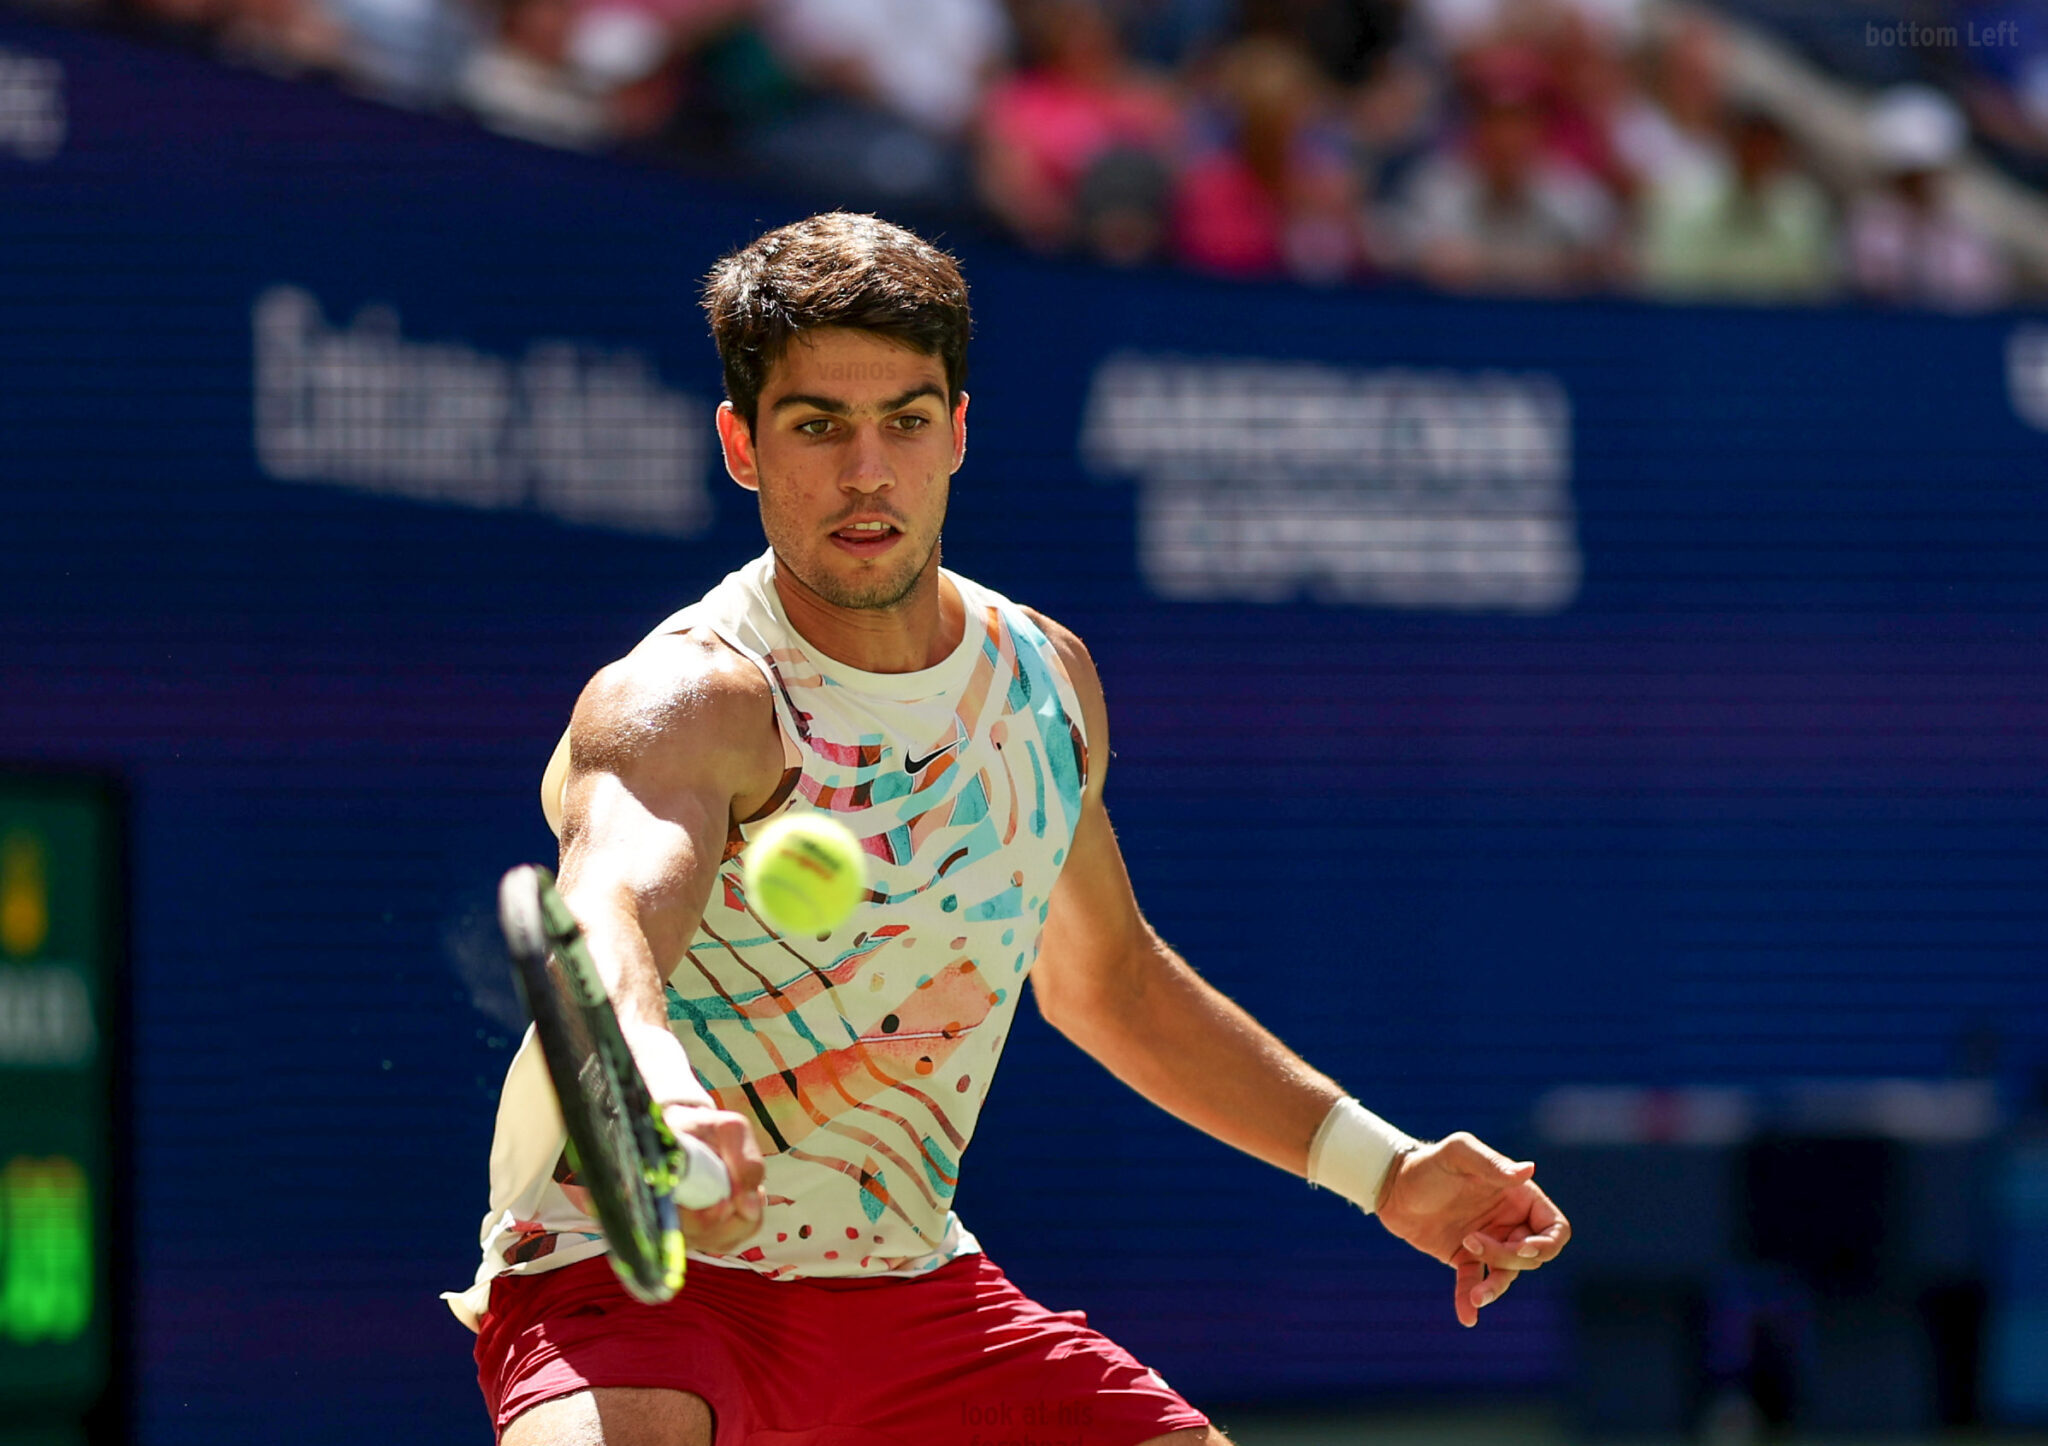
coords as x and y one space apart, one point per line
862 1058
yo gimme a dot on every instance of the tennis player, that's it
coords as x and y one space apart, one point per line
835 1298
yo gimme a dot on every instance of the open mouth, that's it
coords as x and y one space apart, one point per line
866 539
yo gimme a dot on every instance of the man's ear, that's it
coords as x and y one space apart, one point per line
736 440
960 431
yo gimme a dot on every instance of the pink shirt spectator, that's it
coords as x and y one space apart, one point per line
1282 197
1225 219
1077 101
1057 125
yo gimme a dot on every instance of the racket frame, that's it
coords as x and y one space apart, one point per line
644 1232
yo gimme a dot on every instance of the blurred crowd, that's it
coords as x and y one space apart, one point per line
1492 146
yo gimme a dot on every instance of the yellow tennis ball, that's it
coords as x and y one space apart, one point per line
805 872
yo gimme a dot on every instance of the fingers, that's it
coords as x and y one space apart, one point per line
716 1231
720 1226
1519 1248
734 1142
1544 1233
1502 1252
1547 1218
1494 1287
1470 1285
1539 1229
1477 1287
1509 1225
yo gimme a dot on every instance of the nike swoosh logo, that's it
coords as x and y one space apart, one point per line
918 765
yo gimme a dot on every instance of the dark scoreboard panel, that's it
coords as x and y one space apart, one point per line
60 954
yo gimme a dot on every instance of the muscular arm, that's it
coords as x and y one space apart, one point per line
1106 980
666 747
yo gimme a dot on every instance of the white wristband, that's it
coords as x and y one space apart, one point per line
664 1065
1352 1151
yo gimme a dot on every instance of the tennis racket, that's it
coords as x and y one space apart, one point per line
636 1169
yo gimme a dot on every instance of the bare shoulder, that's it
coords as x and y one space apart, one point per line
1080 666
1073 652
678 701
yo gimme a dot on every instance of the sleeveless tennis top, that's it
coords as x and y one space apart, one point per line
861 1058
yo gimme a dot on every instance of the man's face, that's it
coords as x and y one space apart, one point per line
851 451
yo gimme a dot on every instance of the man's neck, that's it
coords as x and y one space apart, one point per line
918 632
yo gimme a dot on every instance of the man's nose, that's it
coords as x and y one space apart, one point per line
867 462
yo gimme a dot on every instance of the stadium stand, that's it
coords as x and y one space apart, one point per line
1763 151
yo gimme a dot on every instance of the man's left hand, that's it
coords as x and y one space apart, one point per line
1475 1210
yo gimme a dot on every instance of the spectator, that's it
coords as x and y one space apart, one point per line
410 52
1123 207
1394 108
1677 120
1492 211
1077 99
1349 40
1590 94
1908 240
522 82
630 57
893 85
655 63
1458 27
1754 228
284 37
925 61
1276 190
1385 89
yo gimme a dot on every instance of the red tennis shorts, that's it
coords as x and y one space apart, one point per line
959 1357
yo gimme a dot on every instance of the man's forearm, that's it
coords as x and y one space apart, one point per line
625 959
1175 1039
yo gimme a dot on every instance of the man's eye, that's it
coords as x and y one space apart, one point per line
815 427
913 423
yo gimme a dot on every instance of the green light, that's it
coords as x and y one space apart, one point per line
45 1250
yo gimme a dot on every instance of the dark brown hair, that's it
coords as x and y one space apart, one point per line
837 269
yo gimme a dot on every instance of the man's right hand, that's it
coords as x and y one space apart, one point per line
722 1228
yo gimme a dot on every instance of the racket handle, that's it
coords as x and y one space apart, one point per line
703 1181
